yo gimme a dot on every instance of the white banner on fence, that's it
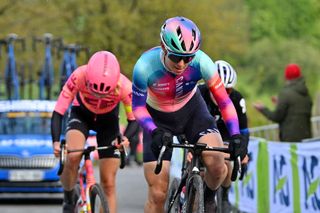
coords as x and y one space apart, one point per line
243 194
285 177
309 176
280 177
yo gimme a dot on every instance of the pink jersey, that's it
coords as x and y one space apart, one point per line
76 83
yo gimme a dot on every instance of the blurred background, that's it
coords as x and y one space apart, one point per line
259 38
43 41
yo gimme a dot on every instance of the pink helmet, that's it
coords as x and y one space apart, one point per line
103 72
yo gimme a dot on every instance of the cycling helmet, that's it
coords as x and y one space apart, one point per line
180 36
103 72
227 74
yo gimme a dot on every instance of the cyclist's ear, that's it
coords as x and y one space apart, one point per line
163 48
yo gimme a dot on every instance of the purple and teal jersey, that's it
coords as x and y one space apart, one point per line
167 92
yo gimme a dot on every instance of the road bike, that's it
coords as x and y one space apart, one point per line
191 178
89 194
69 60
11 74
46 79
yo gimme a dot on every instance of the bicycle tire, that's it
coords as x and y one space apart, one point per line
176 207
195 199
96 191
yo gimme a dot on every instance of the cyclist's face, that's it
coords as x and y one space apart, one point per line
176 63
95 94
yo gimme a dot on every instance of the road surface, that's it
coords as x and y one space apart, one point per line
131 187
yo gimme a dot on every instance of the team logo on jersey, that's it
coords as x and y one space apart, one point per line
207 131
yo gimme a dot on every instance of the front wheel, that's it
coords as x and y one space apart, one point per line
195 199
98 199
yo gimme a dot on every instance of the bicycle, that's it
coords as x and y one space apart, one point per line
47 72
89 194
11 74
69 61
191 178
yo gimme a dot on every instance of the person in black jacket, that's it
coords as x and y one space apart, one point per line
229 78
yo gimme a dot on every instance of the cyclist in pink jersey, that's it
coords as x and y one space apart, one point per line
95 91
166 102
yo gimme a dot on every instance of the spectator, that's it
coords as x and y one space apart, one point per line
293 107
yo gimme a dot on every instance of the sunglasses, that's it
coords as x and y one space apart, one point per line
177 58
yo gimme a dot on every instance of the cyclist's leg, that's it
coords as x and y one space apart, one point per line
202 128
216 169
107 127
108 170
75 140
76 134
157 184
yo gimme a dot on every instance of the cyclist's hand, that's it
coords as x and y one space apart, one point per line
189 157
125 143
245 160
159 136
238 147
56 149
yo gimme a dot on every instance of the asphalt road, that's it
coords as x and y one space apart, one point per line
131 189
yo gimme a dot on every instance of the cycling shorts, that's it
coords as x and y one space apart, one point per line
105 125
193 120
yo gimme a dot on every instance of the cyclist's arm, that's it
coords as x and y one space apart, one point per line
225 104
56 123
240 105
126 98
65 98
210 75
139 97
70 89
280 111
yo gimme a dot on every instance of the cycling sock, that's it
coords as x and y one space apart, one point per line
209 199
225 191
69 196
209 193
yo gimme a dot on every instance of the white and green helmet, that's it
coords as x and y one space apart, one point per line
180 36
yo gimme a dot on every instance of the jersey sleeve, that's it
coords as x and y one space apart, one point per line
126 97
139 96
240 105
69 90
210 75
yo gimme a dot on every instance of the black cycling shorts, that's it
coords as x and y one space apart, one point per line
193 120
105 125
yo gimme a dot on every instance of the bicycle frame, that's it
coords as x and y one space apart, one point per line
193 168
47 72
85 204
11 74
69 61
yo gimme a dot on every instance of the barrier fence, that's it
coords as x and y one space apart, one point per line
271 132
281 177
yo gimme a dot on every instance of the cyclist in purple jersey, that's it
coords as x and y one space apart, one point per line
166 102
